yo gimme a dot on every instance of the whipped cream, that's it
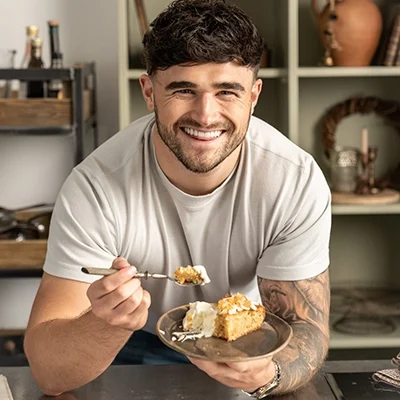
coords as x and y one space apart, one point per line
200 317
203 273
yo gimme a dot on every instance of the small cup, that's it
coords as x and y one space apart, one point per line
344 163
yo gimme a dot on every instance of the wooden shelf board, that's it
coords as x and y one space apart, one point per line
332 72
272 72
11 332
349 209
27 254
133 74
44 112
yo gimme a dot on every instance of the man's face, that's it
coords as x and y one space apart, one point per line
202 111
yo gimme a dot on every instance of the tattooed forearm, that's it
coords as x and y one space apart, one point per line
305 306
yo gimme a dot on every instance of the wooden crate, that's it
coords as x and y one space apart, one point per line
27 254
40 112
24 255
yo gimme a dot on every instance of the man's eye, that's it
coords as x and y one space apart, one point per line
184 91
227 93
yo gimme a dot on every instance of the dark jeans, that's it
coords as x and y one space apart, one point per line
146 348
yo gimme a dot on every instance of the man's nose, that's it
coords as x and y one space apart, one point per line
206 109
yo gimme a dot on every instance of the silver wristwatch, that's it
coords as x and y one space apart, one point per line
267 389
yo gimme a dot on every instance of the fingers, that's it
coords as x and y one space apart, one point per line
239 366
213 369
244 366
141 313
131 314
246 375
109 283
131 302
205 364
130 290
219 371
119 263
118 299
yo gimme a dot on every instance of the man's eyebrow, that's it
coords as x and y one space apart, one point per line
190 85
229 85
180 85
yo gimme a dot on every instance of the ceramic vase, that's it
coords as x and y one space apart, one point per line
357 29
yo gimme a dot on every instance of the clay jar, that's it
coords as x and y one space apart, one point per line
357 29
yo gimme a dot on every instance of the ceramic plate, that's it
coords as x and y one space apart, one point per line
273 336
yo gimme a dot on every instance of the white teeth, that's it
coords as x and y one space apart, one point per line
200 134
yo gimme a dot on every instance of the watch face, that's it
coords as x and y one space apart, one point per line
265 390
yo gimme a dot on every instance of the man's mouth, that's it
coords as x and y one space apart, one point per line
202 134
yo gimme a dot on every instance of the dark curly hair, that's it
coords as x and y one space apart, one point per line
201 31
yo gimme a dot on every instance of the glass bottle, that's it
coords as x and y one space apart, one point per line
35 88
55 87
32 31
54 37
13 84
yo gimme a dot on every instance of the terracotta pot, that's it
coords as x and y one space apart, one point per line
357 29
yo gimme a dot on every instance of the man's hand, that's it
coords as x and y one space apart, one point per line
120 300
246 375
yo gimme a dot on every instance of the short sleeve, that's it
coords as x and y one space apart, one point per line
82 230
300 249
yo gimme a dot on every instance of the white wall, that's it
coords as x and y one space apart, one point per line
33 168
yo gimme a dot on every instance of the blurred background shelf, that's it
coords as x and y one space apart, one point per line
348 341
347 72
344 209
12 332
76 114
263 73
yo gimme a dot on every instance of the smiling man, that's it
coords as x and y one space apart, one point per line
197 181
202 114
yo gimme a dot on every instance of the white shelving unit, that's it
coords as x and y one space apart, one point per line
347 72
364 239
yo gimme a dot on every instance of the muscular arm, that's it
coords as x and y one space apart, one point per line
76 330
305 306
66 344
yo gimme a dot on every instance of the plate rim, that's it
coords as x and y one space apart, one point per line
226 359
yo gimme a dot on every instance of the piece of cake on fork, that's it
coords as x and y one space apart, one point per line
195 274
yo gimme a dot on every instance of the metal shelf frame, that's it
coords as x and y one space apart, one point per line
77 75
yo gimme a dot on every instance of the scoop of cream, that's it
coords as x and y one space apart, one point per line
200 316
203 273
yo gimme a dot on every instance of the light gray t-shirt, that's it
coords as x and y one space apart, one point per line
270 218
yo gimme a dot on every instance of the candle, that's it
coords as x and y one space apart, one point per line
364 141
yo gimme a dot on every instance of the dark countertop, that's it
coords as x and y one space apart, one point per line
182 382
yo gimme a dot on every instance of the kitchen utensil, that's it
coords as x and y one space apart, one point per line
139 275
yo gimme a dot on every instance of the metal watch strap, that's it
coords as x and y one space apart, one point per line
265 390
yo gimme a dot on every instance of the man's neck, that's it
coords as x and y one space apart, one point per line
190 182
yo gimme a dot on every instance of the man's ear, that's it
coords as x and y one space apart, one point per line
147 90
255 93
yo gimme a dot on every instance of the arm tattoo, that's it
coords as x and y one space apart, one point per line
305 306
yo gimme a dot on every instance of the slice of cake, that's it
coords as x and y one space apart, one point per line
237 316
195 274
229 319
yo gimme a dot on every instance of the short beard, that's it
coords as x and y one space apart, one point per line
198 165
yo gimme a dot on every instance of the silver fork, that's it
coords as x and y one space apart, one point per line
138 275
